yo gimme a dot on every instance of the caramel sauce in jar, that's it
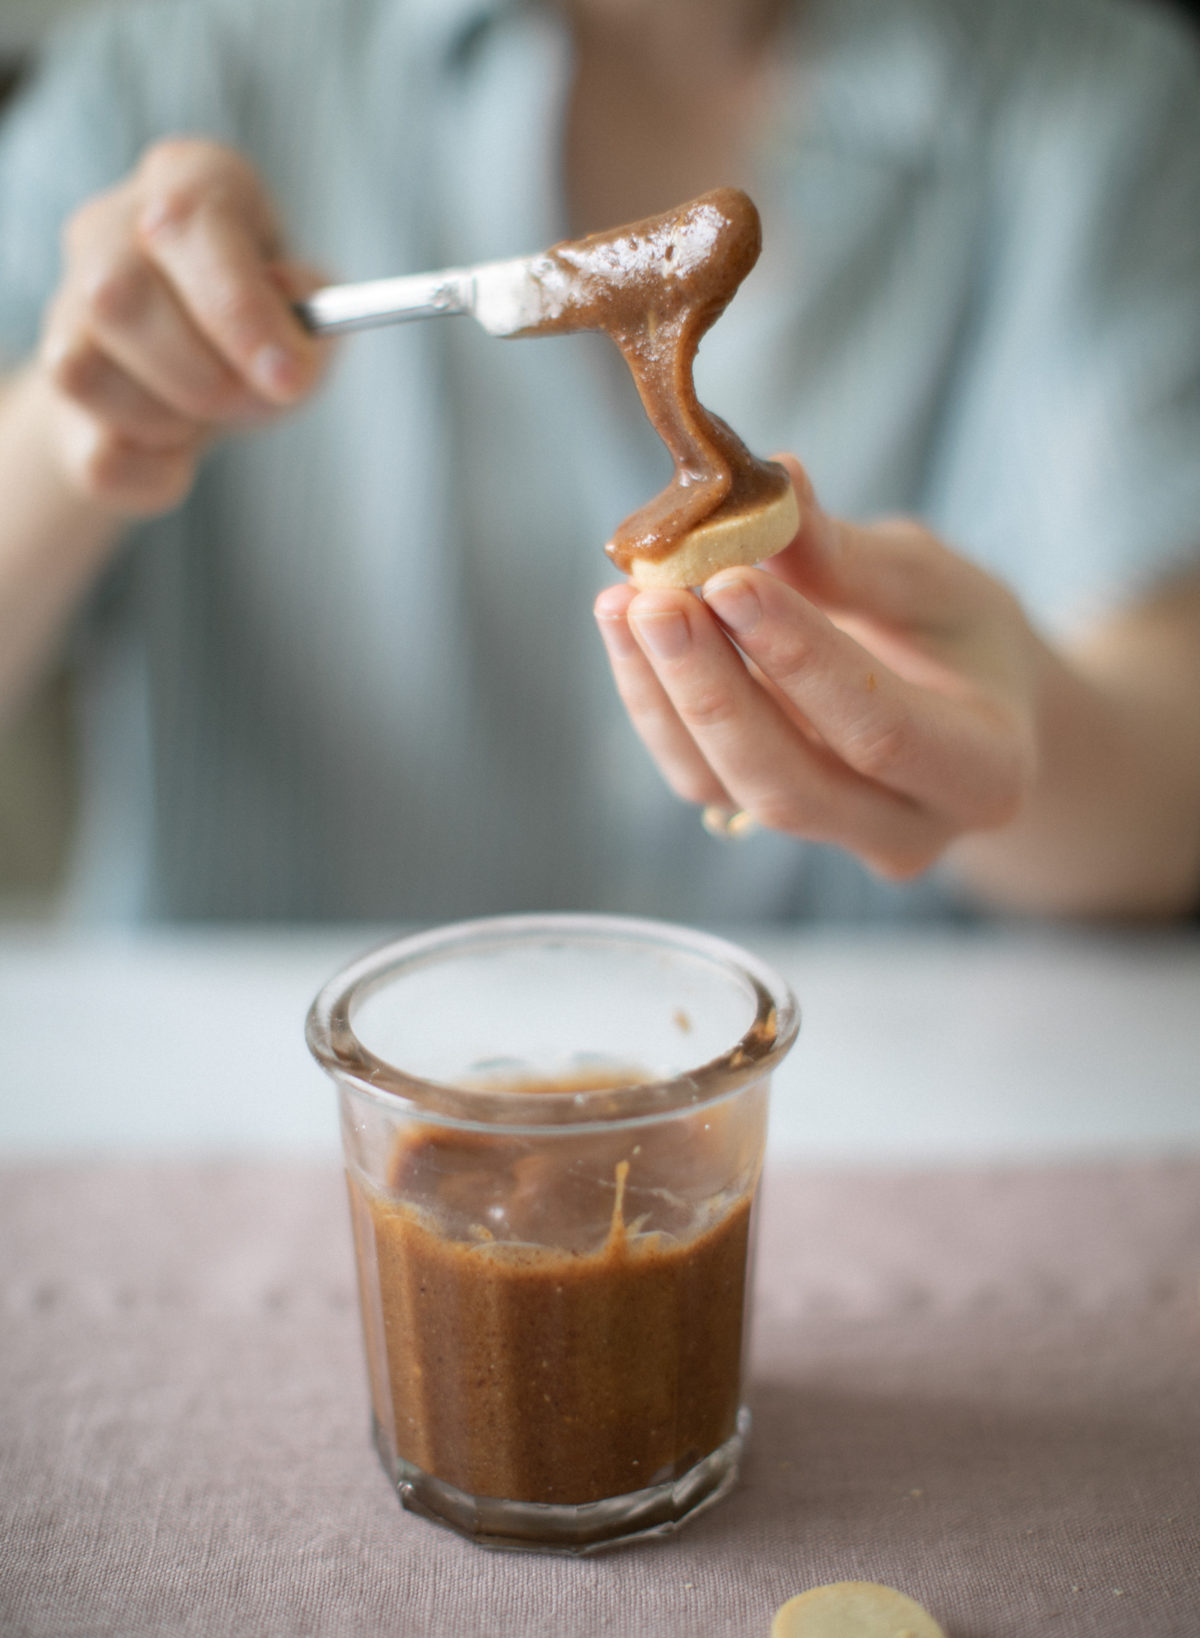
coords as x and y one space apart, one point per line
552 1320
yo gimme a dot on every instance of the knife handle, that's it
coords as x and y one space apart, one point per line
342 307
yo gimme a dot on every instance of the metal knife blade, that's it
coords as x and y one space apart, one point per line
506 298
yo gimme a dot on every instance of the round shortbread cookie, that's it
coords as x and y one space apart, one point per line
723 543
853 1609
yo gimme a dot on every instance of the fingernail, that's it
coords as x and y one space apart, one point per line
666 634
618 639
276 372
735 603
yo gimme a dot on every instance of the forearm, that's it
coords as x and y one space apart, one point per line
54 540
1112 823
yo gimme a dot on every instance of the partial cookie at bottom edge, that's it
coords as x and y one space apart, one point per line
853 1609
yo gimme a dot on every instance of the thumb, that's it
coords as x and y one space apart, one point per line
894 571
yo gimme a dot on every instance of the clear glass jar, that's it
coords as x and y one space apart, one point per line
554 1128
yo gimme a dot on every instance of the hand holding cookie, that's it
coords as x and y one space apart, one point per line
865 687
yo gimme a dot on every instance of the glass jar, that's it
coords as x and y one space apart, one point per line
553 1128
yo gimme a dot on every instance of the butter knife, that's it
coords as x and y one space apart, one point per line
506 298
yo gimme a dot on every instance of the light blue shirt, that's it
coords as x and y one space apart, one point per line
356 675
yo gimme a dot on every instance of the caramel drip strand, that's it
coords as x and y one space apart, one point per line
656 287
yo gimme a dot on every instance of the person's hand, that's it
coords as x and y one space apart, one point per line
172 323
884 697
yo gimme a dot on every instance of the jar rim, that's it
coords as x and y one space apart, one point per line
334 1043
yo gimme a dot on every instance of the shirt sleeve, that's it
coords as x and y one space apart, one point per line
1073 456
106 87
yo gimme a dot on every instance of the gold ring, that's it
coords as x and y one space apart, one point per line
726 824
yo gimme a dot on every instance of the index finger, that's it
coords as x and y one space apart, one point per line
208 225
949 751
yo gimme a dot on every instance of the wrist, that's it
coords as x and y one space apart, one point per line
54 542
1106 830
104 481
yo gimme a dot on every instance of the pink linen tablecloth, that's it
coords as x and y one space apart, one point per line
980 1386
